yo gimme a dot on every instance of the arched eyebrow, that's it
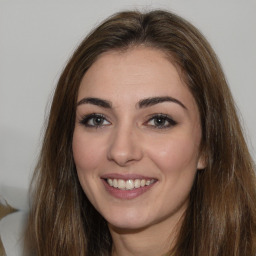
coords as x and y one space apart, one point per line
156 100
141 104
95 101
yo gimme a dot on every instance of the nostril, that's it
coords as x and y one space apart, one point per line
124 151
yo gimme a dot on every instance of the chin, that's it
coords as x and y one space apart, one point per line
128 220
122 226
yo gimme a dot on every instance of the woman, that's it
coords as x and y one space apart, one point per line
143 153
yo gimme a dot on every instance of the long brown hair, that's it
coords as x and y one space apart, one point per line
221 217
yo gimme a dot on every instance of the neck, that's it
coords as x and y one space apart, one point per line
156 239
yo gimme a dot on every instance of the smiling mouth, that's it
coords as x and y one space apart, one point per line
129 184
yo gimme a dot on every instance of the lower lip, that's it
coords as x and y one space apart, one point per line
126 194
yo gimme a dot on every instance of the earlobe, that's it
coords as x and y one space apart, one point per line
201 163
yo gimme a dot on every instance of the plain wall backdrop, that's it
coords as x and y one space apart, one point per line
37 38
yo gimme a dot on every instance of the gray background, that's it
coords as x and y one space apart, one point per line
37 38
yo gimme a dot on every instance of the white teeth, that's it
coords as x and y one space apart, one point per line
129 184
121 184
110 182
137 183
115 185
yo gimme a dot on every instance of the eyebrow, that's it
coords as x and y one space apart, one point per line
141 104
156 100
95 101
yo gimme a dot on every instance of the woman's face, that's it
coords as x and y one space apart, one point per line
136 138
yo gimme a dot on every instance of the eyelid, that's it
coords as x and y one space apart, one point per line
165 117
169 122
86 118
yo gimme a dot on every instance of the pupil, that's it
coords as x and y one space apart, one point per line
97 120
159 121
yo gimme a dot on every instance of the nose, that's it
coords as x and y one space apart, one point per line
124 146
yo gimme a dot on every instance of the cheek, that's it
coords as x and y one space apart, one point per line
86 152
87 157
175 155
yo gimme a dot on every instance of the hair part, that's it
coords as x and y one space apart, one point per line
220 219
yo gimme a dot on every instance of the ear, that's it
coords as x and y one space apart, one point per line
201 162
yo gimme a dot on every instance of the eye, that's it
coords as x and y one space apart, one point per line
94 121
161 121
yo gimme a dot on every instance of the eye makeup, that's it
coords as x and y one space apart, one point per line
94 120
160 121
155 121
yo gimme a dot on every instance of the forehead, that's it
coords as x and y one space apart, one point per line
133 74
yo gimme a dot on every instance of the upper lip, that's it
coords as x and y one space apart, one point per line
128 176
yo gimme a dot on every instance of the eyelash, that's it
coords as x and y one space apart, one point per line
162 117
155 117
87 118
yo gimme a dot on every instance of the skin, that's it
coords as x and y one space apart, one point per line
129 141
